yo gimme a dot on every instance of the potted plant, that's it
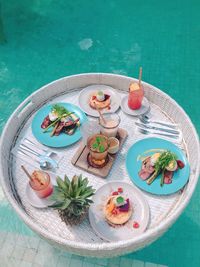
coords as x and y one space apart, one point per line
72 198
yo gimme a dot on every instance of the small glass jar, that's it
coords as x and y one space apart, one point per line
109 127
42 187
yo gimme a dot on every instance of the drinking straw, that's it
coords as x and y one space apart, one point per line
26 172
100 114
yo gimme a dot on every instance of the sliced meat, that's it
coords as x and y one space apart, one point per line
68 123
146 165
168 177
71 124
59 128
70 131
144 174
46 122
180 164
147 169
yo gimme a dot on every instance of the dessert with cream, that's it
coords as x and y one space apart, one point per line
117 209
99 100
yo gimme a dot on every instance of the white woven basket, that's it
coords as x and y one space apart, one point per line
81 239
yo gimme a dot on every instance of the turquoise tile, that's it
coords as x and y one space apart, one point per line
48 39
63 261
76 263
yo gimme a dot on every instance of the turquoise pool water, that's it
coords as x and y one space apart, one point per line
43 40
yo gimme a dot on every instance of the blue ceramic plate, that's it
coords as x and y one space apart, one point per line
133 165
63 139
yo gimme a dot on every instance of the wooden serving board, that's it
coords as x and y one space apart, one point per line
80 158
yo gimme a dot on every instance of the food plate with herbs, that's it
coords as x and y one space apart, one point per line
101 97
119 212
157 166
58 125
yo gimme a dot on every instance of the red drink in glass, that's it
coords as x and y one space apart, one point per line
136 94
41 184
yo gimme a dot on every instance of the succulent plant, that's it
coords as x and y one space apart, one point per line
72 198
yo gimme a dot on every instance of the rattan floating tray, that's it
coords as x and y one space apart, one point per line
81 239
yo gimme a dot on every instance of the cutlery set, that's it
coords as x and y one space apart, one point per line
148 126
44 159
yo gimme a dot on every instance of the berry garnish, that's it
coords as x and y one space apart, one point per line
114 211
120 190
93 97
125 207
136 225
181 165
115 193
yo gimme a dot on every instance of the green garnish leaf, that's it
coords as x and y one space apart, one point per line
101 148
59 110
95 145
164 160
120 200
98 139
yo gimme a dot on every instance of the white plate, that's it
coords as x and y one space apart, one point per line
86 93
124 232
34 200
137 112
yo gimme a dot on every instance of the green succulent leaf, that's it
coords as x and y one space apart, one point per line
66 180
65 204
61 183
56 205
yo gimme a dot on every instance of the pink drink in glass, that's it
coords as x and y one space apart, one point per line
41 184
136 94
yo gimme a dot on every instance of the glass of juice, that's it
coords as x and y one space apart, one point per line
109 126
136 94
41 184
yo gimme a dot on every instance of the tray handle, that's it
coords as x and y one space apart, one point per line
23 108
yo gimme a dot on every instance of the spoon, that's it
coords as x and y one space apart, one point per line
44 164
146 120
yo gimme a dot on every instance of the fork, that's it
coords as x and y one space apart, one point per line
148 126
47 152
146 120
158 133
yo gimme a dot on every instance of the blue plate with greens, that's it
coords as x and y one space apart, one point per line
62 140
147 147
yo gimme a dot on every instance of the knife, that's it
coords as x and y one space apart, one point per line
157 128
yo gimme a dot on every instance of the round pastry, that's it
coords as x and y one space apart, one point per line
117 210
99 100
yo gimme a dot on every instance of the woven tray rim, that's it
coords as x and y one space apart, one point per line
152 233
